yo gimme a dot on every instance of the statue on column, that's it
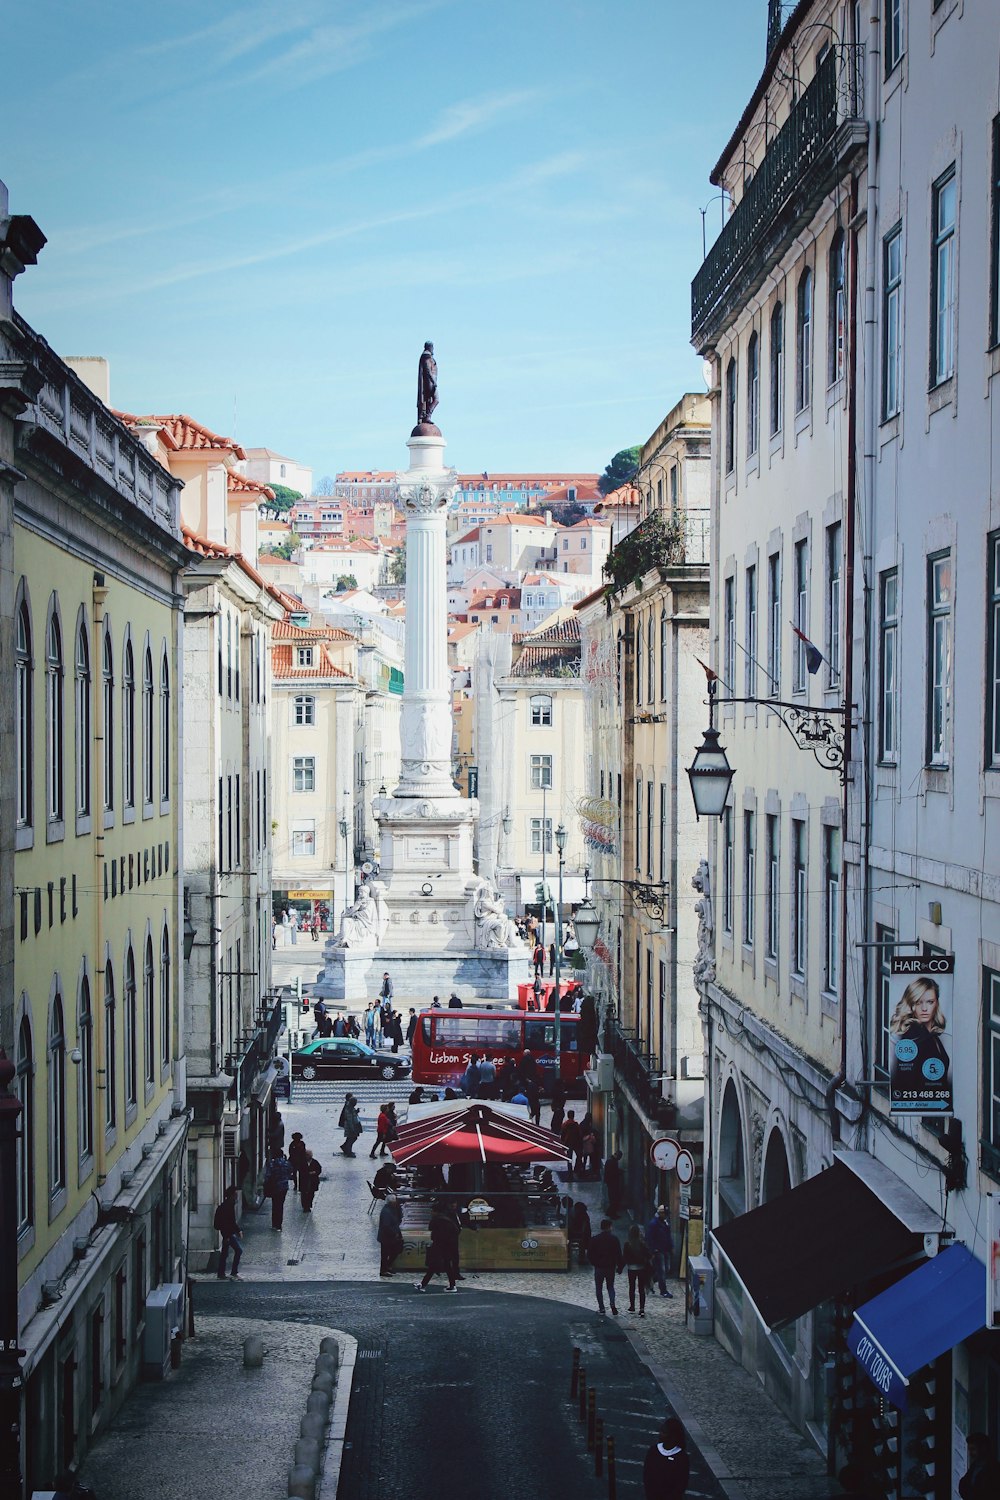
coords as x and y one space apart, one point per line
427 385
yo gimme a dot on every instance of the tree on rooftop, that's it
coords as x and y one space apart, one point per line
284 499
620 470
346 581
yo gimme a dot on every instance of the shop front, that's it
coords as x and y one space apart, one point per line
313 911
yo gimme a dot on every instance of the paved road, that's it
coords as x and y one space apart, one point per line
467 1394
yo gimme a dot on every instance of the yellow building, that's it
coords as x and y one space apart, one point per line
93 1015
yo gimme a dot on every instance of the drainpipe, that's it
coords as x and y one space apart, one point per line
100 594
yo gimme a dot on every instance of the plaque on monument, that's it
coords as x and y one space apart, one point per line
427 850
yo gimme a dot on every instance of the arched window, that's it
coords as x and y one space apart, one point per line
753 394
57 1097
129 1039
54 715
110 1050
777 367
730 416
26 1138
165 998
803 341
85 1072
128 726
164 729
731 1165
149 1013
83 717
108 693
837 331
148 759
541 709
23 713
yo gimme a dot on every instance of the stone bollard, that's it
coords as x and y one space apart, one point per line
307 1451
328 1362
323 1381
253 1352
301 1483
313 1426
319 1402
330 1345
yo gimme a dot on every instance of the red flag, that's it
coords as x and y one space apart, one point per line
814 656
709 672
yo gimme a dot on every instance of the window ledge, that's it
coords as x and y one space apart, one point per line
55 831
776 442
109 817
803 421
131 1114
128 815
25 1241
797 985
829 1003
941 395
147 811
57 1202
84 824
888 431
165 807
937 779
24 837
835 393
752 466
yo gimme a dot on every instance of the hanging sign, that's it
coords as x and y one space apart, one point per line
920 1010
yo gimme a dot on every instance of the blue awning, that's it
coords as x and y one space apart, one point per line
928 1312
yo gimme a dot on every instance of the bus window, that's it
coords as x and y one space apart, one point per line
425 1029
540 1036
456 1030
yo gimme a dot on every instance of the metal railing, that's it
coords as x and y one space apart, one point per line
255 1051
637 1068
746 247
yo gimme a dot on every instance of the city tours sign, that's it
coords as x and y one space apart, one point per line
920 1010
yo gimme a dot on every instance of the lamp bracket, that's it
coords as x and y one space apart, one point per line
821 730
651 897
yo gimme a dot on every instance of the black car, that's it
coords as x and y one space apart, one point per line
343 1057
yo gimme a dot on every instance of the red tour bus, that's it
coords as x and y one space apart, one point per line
445 1040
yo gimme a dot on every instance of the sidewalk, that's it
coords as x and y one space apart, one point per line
754 1451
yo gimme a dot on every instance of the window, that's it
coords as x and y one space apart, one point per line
664 656
730 416
649 830
25 1090
991 1071
663 831
229 656
799 890
165 999
750 664
777 367
771 890
108 689
727 871
837 330
803 341
774 622
995 238
749 876
303 773
57 1098
893 34
833 604
82 685
674 486
85 1071
540 708
885 940
638 823
541 828
800 606
110 1051
729 636
541 772
489 551
164 729
303 656
753 394
892 322
128 727
831 910
149 1013
888 746
638 661
23 711
304 840
130 1040
148 747
54 717
943 279
939 664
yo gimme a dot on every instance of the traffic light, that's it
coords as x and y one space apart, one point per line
542 893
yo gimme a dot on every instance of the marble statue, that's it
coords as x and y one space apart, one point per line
704 964
363 924
494 928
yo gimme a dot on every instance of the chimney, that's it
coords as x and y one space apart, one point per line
548 518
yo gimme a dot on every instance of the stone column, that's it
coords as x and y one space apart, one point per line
426 717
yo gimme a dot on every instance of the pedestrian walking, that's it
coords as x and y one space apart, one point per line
613 1183
340 1026
442 1252
396 1031
383 1127
487 1077
390 1236
552 959
350 1124
638 1260
386 991
309 1178
667 1468
606 1259
276 1135
293 927
571 1138
579 1232
660 1240
276 1180
538 959
411 1027
470 1078
314 929
228 1226
296 1157
455 1002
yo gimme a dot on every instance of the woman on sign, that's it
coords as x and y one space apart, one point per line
919 1057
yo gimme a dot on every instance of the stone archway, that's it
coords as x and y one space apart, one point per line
732 1158
776 1179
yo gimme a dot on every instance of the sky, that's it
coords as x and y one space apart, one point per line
259 212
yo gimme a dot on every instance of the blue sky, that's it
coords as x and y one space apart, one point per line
258 212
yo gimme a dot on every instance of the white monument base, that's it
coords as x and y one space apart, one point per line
489 976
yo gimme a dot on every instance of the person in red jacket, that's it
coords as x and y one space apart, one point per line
383 1131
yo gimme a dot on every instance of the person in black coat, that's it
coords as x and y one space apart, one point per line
442 1252
667 1467
309 1175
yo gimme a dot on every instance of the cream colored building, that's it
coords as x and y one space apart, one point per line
583 549
267 467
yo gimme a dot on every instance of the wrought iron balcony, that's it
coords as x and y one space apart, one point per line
636 1067
811 151
255 1050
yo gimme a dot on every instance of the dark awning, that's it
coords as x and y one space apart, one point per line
931 1310
813 1243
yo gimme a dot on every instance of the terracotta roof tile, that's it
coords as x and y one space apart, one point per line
563 631
490 598
282 665
185 432
286 630
239 484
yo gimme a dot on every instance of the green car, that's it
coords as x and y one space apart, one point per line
343 1057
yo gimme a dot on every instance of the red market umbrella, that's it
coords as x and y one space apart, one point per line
476 1134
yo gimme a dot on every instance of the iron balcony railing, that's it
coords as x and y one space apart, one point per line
636 1066
255 1050
787 186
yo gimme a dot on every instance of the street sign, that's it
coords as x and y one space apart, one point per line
684 1167
684 1209
663 1153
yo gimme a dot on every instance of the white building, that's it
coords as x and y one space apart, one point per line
268 467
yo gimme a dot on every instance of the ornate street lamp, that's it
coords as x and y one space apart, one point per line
586 924
710 773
